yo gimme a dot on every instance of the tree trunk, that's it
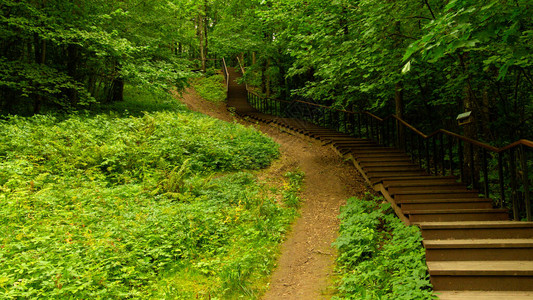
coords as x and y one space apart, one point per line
470 130
263 77
40 58
399 111
268 79
117 89
72 65
201 32
206 23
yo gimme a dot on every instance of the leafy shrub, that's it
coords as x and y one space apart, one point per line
379 257
211 87
139 101
112 206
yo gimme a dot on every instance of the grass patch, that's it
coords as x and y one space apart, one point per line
136 205
379 257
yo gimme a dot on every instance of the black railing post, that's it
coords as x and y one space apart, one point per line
412 142
338 120
376 126
385 134
514 195
472 167
428 166
442 153
419 150
371 121
461 161
501 179
367 127
450 153
525 183
486 174
381 133
359 130
352 124
435 155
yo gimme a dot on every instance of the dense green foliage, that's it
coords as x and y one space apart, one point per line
426 60
114 206
379 257
65 54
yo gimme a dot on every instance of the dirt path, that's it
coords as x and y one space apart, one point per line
306 265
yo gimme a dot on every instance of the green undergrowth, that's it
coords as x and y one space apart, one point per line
138 102
158 205
379 257
210 86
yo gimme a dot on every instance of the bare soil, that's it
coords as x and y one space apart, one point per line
305 268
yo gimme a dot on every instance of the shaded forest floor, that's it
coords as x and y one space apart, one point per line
305 267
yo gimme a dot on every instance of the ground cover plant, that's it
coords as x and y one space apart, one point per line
379 257
210 86
120 205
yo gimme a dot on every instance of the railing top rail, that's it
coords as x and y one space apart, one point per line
240 65
279 100
526 143
411 127
468 140
227 72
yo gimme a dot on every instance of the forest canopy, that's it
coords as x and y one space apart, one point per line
424 60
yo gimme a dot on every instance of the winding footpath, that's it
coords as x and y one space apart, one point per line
306 263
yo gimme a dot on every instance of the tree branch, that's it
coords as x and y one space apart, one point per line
526 75
404 36
418 17
430 10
